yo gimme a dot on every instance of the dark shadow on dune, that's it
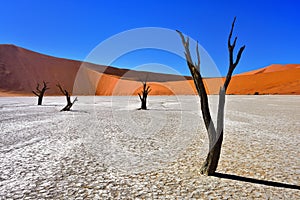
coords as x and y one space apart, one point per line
256 181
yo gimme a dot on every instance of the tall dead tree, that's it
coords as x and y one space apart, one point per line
68 97
144 94
40 92
215 135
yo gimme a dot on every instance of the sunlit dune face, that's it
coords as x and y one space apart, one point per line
270 81
156 89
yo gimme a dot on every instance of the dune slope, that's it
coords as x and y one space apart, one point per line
22 69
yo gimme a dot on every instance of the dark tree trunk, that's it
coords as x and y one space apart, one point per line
211 163
143 97
69 104
144 105
40 100
215 136
40 93
68 97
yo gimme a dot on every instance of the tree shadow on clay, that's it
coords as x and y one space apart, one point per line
256 181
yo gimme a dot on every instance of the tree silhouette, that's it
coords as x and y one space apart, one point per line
143 96
215 135
40 92
68 97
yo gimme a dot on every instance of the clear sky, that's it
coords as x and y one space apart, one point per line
270 29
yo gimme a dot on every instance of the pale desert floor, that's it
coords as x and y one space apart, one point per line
107 149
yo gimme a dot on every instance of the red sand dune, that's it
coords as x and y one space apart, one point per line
274 80
21 69
272 68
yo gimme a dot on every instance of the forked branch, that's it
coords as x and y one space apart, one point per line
68 97
40 92
215 135
232 63
65 92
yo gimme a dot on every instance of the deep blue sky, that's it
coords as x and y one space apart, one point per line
71 29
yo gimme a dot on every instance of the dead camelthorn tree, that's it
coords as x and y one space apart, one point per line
215 135
143 96
40 92
68 97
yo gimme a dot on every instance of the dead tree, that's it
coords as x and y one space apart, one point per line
68 97
40 92
215 135
143 96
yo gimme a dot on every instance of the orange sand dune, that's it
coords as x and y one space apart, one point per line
21 69
273 68
278 82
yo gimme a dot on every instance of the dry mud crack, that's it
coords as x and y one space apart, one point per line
105 150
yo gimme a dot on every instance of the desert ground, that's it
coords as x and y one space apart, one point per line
105 148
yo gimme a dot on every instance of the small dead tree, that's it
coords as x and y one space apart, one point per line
215 135
68 97
40 92
143 96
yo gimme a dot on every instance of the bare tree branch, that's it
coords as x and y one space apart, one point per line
215 135
198 81
144 94
232 63
45 85
198 57
231 31
61 89
40 92
68 97
35 93
140 96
